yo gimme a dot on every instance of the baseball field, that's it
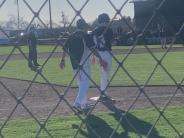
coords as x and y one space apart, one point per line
30 108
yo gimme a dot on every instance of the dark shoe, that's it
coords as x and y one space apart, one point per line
30 65
36 64
33 67
78 107
83 110
88 106
105 97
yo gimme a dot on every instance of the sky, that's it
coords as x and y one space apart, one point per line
90 12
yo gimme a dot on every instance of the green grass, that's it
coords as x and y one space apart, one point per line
141 46
139 66
48 48
40 48
103 124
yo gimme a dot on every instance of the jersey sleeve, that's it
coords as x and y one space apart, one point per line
95 33
66 45
89 41
110 34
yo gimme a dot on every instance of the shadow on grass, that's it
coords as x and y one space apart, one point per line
97 127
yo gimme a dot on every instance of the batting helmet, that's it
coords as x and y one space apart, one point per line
81 23
31 28
103 18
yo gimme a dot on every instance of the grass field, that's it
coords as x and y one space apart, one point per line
139 66
103 124
40 48
48 48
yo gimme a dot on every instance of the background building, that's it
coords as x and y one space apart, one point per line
171 13
170 16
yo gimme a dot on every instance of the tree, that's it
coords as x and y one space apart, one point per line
12 23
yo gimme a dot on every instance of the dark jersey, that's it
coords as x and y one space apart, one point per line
162 33
75 46
32 38
103 37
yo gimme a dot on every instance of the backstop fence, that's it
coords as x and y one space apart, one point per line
61 98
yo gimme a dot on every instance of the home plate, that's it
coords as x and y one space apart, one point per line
94 98
97 97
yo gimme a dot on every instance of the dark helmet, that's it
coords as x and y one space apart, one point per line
103 18
81 23
31 28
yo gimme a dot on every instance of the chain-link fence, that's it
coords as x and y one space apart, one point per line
140 94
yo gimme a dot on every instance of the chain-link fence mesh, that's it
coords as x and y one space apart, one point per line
62 95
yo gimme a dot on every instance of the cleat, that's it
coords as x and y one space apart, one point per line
79 110
106 98
34 68
84 110
36 64
77 107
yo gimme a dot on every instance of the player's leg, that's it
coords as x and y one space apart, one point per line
83 84
30 54
162 44
34 51
165 42
105 74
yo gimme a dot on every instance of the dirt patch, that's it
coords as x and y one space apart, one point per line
41 99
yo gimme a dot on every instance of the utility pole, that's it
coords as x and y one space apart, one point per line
50 14
18 15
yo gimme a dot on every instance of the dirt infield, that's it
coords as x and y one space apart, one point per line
41 98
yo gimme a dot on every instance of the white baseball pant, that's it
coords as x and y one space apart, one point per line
82 79
105 74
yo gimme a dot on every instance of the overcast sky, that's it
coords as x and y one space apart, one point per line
90 12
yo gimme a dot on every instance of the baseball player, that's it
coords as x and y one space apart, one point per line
103 36
162 34
78 46
32 43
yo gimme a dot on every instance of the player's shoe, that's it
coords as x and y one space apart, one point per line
36 64
106 98
30 65
89 106
78 107
83 109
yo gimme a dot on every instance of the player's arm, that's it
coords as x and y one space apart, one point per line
63 55
111 35
102 62
62 63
